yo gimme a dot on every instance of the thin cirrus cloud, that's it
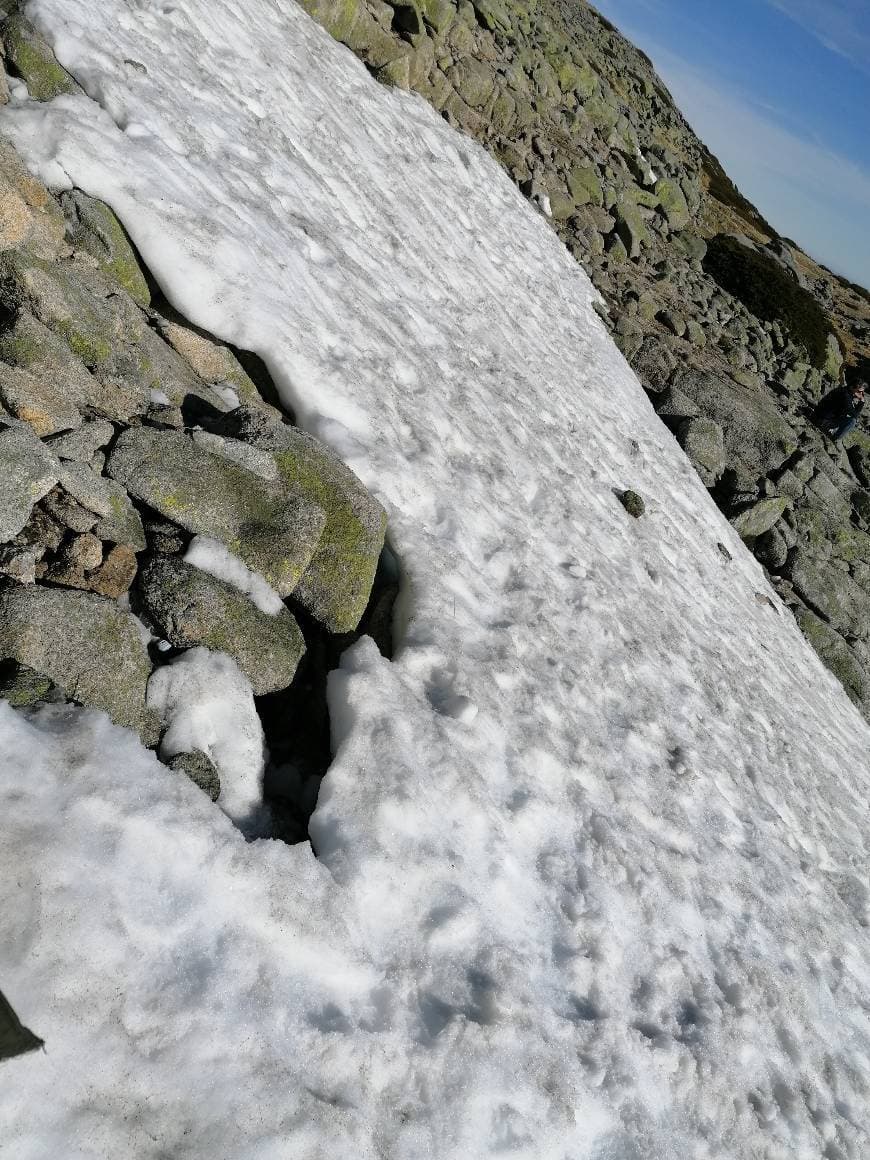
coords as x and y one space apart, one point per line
816 196
843 26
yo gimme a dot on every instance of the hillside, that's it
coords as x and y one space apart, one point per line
587 871
581 122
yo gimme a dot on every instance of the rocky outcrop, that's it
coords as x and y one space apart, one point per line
735 333
125 431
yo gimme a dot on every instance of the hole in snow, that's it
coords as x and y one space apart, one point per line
296 720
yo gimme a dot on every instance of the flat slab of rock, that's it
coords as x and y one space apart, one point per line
87 646
336 585
28 471
274 529
189 607
760 517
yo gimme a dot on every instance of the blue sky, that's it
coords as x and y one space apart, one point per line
780 91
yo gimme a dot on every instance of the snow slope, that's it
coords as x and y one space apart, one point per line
593 849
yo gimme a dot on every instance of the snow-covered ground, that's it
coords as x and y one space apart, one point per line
592 876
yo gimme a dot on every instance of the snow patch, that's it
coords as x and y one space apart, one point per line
207 704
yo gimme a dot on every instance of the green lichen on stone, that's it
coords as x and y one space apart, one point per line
337 582
585 185
673 203
94 228
22 686
34 61
90 348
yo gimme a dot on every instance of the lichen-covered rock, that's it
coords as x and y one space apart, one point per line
703 442
93 227
631 225
189 607
336 585
274 529
756 519
837 655
200 769
29 344
34 60
81 443
22 686
831 592
673 203
87 646
633 503
40 401
28 471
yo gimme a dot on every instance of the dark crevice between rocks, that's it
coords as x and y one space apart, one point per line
296 720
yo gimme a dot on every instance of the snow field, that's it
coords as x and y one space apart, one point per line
593 849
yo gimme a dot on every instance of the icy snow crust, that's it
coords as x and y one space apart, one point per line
620 912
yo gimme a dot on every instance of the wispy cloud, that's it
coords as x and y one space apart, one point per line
808 192
842 26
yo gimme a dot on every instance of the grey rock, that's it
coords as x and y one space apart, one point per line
338 580
837 656
86 487
633 503
37 400
200 769
28 471
18 562
673 322
189 607
87 646
771 549
273 529
164 538
830 592
703 442
68 512
94 228
81 444
759 517
756 434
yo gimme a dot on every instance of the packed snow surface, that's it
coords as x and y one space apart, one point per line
592 854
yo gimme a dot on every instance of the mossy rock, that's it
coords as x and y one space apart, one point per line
189 607
438 14
94 228
835 653
336 16
55 294
274 529
585 185
22 686
91 649
673 203
338 580
33 60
